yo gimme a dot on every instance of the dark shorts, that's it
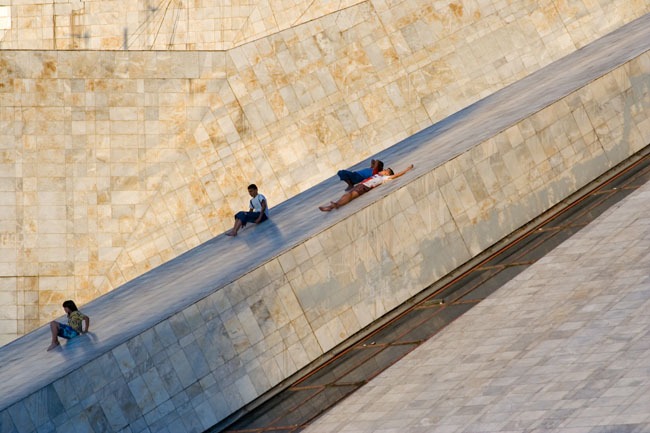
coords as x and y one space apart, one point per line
360 189
352 176
249 217
66 331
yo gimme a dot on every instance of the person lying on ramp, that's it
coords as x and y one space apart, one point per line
354 177
363 187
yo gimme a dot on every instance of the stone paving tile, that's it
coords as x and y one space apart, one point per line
562 347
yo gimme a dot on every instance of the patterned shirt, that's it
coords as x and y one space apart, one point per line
376 180
75 319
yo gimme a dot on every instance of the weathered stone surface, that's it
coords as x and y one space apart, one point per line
274 299
113 162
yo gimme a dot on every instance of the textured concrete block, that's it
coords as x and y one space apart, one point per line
113 412
190 419
165 333
183 368
6 423
20 417
151 342
102 371
196 360
142 395
96 418
123 358
43 406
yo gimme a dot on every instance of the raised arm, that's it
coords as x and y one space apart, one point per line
401 172
87 322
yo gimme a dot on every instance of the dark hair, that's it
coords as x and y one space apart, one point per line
380 165
252 186
70 305
390 171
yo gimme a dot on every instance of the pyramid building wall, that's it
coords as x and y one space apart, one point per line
121 148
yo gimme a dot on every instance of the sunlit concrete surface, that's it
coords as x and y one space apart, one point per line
203 335
116 161
563 347
124 25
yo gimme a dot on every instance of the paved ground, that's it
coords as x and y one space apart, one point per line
148 299
563 347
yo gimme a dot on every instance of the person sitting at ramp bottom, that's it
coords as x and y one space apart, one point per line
364 187
72 329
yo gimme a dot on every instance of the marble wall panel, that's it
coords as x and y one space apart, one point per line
202 364
150 25
219 25
113 162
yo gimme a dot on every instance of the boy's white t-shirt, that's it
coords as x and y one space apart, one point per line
376 180
256 204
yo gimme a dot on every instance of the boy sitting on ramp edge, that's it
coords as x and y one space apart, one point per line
72 329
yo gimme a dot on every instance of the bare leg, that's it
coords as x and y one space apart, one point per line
54 328
345 199
328 207
233 231
350 185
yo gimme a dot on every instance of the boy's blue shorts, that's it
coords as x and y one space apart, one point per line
249 217
66 331
352 176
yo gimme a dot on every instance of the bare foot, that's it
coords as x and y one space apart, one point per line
333 205
53 345
231 233
349 188
325 208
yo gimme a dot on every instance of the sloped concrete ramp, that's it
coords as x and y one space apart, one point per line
191 342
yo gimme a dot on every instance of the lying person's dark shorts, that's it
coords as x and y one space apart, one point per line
66 331
249 217
360 188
